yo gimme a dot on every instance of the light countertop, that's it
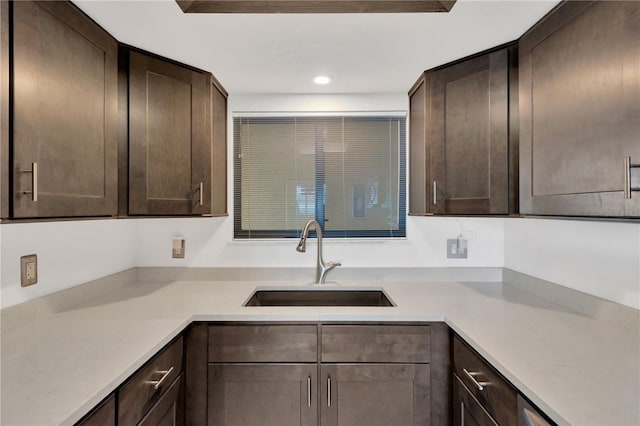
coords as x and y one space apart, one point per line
59 363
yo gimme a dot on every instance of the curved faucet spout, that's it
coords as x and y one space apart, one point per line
322 268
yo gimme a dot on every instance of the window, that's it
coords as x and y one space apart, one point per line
346 172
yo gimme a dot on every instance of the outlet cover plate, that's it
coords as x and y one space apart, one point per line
28 270
177 250
456 248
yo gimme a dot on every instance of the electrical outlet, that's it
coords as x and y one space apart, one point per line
28 270
177 251
457 248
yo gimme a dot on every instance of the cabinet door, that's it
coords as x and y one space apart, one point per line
375 394
219 154
468 136
169 138
104 415
467 411
64 113
169 410
580 110
263 395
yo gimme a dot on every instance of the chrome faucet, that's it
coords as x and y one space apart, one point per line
322 268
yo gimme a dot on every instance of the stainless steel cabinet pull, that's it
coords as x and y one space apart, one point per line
435 190
157 383
309 391
201 193
627 178
34 181
329 391
479 385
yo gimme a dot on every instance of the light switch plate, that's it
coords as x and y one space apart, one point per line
28 270
456 248
177 251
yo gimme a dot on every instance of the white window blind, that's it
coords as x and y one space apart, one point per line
346 172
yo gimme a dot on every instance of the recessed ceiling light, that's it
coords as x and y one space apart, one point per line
321 79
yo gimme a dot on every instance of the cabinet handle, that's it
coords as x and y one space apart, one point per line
34 181
627 178
157 383
435 191
201 193
328 391
309 391
479 385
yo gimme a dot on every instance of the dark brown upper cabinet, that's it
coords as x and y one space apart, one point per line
169 138
462 142
64 128
219 150
580 111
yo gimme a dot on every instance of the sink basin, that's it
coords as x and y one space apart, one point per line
315 297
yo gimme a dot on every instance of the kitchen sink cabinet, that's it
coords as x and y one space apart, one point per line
334 374
580 111
169 138
64 113
267 394
375 394
376 375
462 140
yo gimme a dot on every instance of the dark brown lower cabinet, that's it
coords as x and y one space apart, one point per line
263 394
169 410
374 395
321 374
103 415
467 411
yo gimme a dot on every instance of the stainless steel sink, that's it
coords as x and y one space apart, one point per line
337 297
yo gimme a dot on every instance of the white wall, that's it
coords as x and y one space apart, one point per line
209 242
599 258
69 253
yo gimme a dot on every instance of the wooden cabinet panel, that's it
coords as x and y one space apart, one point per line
497 396
169 138
467 411
219 151
64 113
375 394
462 137
103 415
140 392
263 394
375 343
580 110
169 410
468 136
4 110
419 191
263 343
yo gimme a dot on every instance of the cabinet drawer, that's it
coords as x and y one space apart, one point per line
263 343
143 390
169 409
369 343
497 396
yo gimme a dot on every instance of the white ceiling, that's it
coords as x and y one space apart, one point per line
281 53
